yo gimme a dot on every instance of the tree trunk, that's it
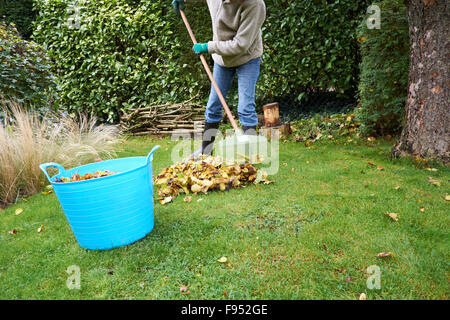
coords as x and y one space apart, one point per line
426 130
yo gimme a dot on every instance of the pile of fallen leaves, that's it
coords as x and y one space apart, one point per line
88 176
321 127
203 174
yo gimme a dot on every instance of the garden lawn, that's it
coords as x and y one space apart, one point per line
310 235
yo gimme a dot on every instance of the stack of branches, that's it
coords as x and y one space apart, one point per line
166 119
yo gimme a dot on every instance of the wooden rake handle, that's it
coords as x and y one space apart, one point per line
210 75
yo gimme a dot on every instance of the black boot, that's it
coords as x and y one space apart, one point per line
250 131
209 135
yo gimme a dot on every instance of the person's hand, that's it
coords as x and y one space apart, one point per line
200 48
177 5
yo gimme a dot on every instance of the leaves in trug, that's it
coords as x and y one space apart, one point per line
203 174
88 176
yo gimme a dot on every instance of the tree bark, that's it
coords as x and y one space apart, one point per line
426 130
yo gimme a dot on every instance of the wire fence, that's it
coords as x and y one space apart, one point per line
319 102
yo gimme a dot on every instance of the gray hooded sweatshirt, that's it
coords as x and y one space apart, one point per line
236 27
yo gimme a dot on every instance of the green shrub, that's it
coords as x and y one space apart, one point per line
384 71
25 74
134 53
122 55
310 46
19 12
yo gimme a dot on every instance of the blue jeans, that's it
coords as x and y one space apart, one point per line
248 74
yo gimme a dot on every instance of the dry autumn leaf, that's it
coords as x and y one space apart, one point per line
165 200
397 187
370 163
384 254
447 197
434 181
392 215
222 260
188 199
18 211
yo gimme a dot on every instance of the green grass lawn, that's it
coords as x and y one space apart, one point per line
310 235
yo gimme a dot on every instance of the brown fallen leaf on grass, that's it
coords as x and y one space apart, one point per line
392 215
40 228
447 197
165 200
188 199
222 260
18 211
434 182
184 289
370 163
384 254
397 187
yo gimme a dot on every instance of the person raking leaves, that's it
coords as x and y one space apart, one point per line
236 49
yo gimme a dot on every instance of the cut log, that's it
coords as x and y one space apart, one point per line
282 131
271 115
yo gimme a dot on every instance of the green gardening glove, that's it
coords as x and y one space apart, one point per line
177 5
200 48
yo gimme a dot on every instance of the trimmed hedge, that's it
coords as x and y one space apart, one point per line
19 12
384 71
130 53
25 75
